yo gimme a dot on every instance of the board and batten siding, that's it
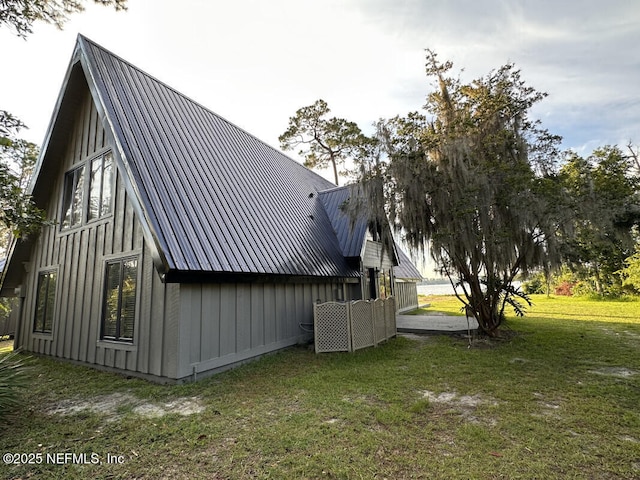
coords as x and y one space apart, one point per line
223 324
375 257
78 256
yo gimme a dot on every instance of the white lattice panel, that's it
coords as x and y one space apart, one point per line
331 327
390 316
361 325
378 319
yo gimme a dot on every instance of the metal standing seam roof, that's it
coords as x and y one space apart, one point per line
351 234
216 198
405 268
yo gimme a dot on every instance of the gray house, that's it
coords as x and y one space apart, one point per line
179 244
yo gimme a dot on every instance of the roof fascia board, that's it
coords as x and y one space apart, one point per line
179 276
3 274
149 233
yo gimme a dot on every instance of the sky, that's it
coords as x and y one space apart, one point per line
256 62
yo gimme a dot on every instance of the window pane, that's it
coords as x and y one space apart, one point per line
67 199
101 179
45 302
128 311
78 191
107 183
51 301
95 188
112 300
120 300
41 304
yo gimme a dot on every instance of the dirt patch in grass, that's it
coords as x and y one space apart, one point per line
181 406
466 404
619 372
452 398
548 407
416 337
112 404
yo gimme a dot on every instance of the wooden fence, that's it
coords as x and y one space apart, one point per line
349 326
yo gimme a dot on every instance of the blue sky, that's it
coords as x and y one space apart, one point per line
256 62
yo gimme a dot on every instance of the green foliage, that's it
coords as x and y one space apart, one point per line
20 15
5 307
18 213
323 141
536 283
602 191
631 271
570 282
12 381
476 179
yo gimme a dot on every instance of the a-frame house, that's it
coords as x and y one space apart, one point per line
178 244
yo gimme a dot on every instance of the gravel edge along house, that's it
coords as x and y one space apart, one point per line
179 244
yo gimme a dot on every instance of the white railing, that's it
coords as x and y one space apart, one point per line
406 294
349 326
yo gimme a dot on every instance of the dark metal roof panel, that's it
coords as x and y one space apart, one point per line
218 199
351 235
405 268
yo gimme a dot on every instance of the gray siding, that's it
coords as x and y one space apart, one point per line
78 256
222 324
375 257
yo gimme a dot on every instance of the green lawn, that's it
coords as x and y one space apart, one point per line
6 345
558 397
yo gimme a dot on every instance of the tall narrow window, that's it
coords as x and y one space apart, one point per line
119 307
72 205
45 302
100 186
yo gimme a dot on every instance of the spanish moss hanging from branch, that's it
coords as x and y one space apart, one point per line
473 176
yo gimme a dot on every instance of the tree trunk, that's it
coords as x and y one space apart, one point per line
484 307
335 168
598 280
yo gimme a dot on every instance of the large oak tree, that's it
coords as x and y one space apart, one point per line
474 176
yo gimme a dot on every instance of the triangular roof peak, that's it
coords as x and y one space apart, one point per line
211 197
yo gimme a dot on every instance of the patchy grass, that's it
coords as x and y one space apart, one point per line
557 399
6 345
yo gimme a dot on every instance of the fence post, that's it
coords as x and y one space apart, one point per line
390 317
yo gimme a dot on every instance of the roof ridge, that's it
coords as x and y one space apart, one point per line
341 187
